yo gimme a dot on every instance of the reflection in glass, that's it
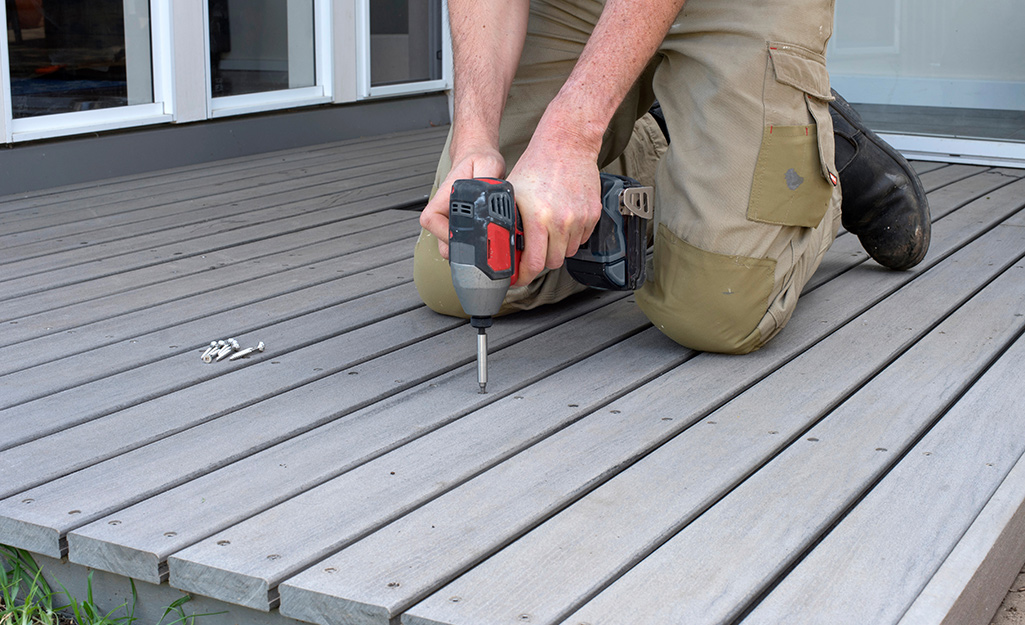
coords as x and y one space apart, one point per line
933 67
405 41
266 47
73 55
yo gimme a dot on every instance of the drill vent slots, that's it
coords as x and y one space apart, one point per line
500 206
462 208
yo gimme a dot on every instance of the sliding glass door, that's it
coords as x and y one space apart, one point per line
933 68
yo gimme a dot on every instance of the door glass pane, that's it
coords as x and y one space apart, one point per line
260 45
74 55
935 67
405 41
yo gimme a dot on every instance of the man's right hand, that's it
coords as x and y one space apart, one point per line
478 163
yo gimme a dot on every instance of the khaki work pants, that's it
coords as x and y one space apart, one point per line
746 196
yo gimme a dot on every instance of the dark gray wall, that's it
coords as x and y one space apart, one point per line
40 165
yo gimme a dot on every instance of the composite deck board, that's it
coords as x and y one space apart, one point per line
42 197
144 377
231 266
274 539
567 563
974 575
206 210
696 389
714 572
48 375
932 180
904 528
352 474
110 325
61 205
352 505
211 219
229 417
327 452
238 387
923 166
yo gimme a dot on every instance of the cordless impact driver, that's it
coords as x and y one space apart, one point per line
486 239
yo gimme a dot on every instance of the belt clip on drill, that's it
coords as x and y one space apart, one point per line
485 244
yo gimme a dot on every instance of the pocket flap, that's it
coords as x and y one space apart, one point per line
801 69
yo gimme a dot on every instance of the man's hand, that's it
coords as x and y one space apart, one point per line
556 180
558 194
479 163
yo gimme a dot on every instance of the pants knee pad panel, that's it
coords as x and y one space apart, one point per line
706 301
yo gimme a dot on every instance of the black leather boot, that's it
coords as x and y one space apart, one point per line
884 202
660 119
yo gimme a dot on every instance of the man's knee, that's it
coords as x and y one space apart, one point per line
433 278
707 301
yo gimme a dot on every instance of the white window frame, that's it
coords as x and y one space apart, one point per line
62 124
320 93
994 153
365 91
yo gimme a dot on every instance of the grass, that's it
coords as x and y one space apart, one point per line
27 599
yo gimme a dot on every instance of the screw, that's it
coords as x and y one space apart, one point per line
227 349
215 347
245 352
209 350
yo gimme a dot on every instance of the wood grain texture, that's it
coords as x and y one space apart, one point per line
78 212
214 232
788 504
230 495
235 415
900 534
149 378
210 214
186 174
970 583
318 522
604 541
233 265
367 273
352 474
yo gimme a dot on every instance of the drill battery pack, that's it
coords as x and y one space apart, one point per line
614 257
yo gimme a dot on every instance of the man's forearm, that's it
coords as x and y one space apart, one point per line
623 41
487 38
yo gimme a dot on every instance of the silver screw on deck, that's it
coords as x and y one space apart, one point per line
232 346
215 348
246 352
209 350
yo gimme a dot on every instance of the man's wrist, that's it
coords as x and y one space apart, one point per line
574 124
466 140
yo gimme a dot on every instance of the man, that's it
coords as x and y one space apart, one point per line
748 190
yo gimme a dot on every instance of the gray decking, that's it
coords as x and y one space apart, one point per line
865 467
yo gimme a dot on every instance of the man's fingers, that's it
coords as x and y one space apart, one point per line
435 222
535 252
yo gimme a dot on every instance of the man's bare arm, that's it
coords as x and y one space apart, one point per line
556 179
487 40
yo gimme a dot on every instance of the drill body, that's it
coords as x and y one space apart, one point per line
486 241
484 244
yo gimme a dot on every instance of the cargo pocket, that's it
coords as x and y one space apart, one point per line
795 174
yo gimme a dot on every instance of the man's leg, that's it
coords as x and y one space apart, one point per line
747 198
